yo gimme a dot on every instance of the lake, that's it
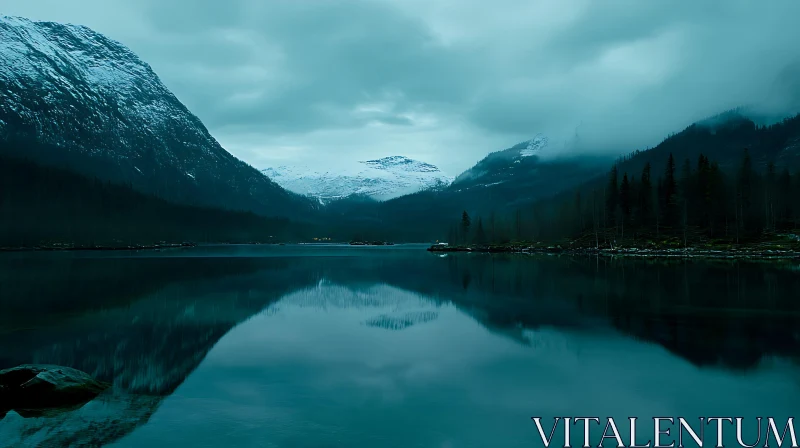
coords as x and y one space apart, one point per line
338 346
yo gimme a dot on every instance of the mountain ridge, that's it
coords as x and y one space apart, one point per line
75 98
501 182
526 153
376 179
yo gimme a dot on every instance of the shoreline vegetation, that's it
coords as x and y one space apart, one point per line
779 248
48 207
70 247
700 210
59 247
782 247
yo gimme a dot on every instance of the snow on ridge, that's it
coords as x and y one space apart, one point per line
31 49
121 99
534 145
400 163
379 179
74 62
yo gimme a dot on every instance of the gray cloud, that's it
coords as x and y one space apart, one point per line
320 62
194 15
450 80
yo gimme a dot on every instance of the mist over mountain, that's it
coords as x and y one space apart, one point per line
501 164
501 183
74 99
300 223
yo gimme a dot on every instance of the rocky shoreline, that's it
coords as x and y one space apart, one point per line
56 247
689 252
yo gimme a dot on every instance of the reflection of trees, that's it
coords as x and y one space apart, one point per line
146 323
704 311
403 321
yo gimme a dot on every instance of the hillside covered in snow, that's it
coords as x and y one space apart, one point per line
380 179
73 98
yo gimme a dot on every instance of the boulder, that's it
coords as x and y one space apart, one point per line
37 388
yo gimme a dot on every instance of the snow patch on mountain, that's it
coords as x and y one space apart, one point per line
503 164
80 74
534 145
86 96
379 179
63 55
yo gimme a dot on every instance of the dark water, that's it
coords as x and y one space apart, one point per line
392 347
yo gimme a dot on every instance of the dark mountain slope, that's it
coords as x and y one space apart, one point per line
73 98
499 184
518 178
743 189
722 139
42 206
143 324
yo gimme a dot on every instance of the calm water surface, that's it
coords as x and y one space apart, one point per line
310 346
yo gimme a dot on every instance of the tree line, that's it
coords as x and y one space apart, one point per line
42 205
688 203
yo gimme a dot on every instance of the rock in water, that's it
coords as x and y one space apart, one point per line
43 387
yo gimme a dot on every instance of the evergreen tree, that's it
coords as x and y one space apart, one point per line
719 202
784 199
625 200
634 201
493 228
646 197
465 224
739 204
661 206
686 192
794 202
480 235
702 202
612 196
452 235
670 194
43 205
769 196
745 184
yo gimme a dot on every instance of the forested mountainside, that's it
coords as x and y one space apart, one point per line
41 206
72 98
722 138
725 178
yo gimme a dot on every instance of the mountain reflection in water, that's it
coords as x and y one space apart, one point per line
334 344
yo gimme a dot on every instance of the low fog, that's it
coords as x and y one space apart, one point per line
448 81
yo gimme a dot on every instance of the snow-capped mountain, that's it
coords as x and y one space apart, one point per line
73 97
380 179
498 166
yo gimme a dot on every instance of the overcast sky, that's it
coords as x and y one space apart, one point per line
322 82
